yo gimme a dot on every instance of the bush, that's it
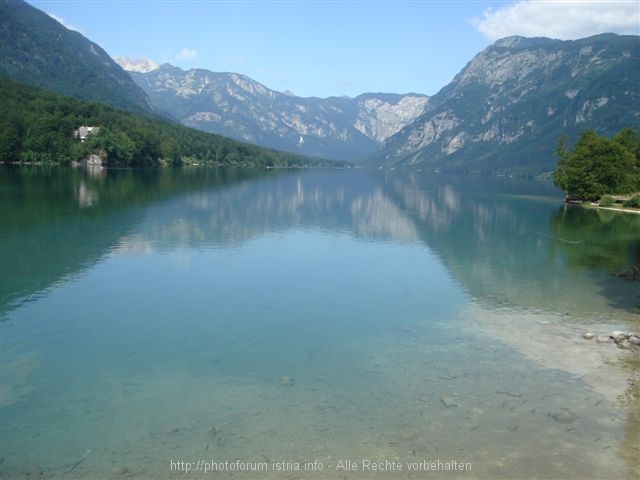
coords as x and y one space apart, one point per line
606 201
633 202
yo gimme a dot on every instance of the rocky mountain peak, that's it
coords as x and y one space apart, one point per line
379 117
516 41
507 108
140 65
237 106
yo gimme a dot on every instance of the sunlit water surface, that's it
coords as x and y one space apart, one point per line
299 318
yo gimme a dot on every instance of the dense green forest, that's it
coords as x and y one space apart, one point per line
39 126
598 165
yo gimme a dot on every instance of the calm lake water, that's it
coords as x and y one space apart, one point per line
287 320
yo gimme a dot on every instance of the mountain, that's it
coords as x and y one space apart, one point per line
38 126
506 110
236 106
38 50
140 65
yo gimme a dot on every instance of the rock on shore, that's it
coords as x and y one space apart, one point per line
624 340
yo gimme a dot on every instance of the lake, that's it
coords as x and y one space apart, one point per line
211 323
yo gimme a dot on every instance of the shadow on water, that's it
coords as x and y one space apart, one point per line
604 242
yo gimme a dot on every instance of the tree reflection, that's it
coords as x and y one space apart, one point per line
597 238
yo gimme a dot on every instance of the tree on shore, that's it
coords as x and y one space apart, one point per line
599 165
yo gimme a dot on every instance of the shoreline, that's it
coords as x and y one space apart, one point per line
597 206
557 341
622 209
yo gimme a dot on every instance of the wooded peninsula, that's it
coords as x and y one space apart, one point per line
600 169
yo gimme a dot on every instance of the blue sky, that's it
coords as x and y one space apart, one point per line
331 47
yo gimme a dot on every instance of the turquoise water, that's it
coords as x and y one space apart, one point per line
298 319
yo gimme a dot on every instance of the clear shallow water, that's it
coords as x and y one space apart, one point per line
330 316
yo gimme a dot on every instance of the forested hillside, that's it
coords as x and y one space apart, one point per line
37 50
39 126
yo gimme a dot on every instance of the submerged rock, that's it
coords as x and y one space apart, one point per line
286 381
34 471
625 340
618 336
565 417
624 344
511 394
119 472
448 402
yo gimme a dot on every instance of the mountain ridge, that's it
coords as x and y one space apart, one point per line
38 50
503 112
237 106
515 99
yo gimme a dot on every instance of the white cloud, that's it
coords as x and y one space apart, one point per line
62 22
560 19
187 54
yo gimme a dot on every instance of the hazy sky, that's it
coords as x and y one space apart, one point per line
331 47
